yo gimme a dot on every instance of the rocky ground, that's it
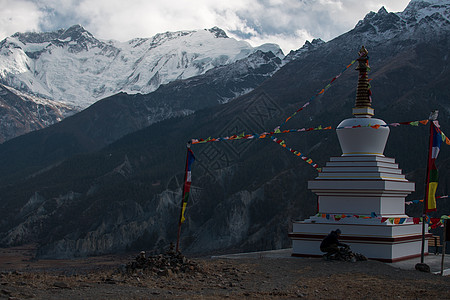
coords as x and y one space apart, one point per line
172 276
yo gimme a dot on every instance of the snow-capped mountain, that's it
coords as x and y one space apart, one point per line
420 19
74 67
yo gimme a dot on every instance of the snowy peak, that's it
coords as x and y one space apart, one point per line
381 22
418 10
37 38
218 33
307 46
382 11
420 19
74 67
424 3
313 44
161 38
74 33
77 39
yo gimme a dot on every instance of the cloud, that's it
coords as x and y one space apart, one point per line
17 16
285 22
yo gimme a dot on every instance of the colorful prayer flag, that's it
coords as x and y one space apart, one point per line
190 158
433 172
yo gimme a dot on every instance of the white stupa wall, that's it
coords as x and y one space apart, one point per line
361 182
364 140
392 206
376 240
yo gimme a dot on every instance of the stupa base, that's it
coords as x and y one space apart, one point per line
383 242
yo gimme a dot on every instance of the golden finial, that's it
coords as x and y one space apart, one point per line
363 101
363 52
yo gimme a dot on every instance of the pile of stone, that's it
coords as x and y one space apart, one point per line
345 254
166 264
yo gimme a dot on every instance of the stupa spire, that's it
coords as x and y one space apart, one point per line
363 104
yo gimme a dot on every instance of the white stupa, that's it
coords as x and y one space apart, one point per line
361 188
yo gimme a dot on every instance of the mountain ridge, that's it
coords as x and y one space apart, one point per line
77 40
74 67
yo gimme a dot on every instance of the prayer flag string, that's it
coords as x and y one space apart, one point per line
396 124
282 143
263 135
278 131
418 201
244 136
322 91
445 139
432 222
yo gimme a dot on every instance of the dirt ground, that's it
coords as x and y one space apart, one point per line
22 277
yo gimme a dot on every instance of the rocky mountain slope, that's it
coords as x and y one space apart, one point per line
245 193
21 113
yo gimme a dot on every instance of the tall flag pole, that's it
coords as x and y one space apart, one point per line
429 203
190 158
433 176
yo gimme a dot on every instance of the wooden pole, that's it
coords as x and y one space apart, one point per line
443 246
178 237
433 116
182 198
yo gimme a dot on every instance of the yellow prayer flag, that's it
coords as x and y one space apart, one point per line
432 187
182 212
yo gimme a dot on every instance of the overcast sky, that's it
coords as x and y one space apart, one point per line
285 22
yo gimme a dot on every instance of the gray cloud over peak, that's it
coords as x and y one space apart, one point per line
285 22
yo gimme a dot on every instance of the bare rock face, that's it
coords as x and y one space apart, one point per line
21 113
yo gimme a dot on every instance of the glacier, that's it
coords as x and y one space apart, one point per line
73 67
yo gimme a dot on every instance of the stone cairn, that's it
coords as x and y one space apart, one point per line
166 264
345 254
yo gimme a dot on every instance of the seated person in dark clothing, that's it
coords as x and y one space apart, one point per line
330 243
